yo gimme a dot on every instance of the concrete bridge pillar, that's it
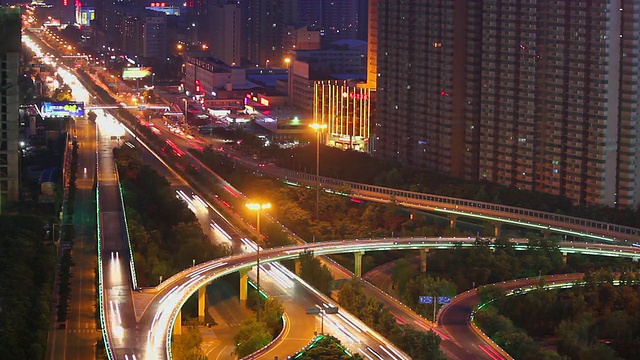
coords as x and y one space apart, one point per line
564 257
496 228
244 279
202 296
452 220
423 260
358 264
177 326
298 266
546 233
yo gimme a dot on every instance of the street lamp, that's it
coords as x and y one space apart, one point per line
257 207
318 128
287 61
186 101
153 79
266 64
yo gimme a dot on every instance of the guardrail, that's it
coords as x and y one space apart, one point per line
518 216
132 264
103 322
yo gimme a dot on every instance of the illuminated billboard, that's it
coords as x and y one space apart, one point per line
135 72
61 109
84 16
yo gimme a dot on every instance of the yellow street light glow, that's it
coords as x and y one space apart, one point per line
287 60
258 206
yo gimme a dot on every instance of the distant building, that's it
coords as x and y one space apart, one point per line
301 38
226 39
335 20
207 75
10 49
539 95
142 33
346 60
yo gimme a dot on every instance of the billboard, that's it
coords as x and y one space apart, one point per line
61 109
85 15
135 72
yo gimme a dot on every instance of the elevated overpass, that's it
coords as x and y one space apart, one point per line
160 314
454 208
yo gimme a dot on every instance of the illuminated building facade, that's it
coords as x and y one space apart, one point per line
347 112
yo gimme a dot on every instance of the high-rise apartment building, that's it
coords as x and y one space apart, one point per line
537 94
266 24
336 20
226 39
10 48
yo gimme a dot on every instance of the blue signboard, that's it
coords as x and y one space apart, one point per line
61 109
425 299
444 299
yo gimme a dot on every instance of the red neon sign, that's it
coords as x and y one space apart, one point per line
358 96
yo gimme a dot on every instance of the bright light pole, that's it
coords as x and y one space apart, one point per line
287 61
318 128
186 101
153 79
257 207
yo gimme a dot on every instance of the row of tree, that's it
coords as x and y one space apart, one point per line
360 167
26 278
165 235
326 348
419 345
597 320
68 236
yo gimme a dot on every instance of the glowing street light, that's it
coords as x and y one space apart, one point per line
257 207
318 128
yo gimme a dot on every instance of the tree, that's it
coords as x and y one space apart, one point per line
352 297
272 312
92 116
403 271
62 93
315 273
420 345
252 335
327 348
187 345
490 293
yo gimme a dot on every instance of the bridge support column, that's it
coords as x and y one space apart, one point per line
202 296
496 228
452 220
358 264
177 326
244 278
546 233
298 266
564 257
423 260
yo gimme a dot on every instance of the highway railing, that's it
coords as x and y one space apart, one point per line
132 264
537 219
